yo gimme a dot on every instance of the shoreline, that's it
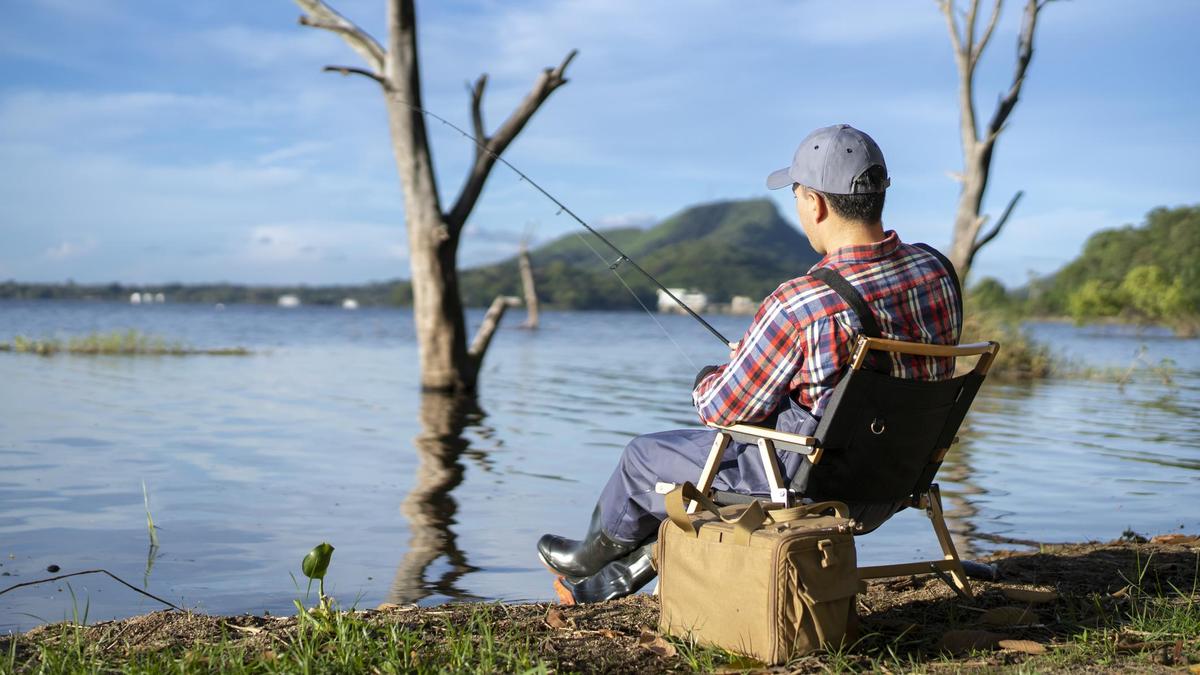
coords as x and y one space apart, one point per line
1117 606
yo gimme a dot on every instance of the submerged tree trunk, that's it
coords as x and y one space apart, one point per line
527 285
433 233
977 150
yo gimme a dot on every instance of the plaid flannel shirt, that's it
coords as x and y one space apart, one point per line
799 342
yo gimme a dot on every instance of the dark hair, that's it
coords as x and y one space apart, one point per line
866 207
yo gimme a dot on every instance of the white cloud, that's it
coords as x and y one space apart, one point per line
67 250
322 241
625 220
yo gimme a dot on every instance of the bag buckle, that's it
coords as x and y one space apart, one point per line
828 553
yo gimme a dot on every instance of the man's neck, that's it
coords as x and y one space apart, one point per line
852 234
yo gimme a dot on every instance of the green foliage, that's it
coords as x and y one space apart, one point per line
1149 273
1095 298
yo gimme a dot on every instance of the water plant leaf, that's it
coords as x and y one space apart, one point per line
316 563
1030 595
1026 646
149 519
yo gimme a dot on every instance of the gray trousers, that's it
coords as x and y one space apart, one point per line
630 507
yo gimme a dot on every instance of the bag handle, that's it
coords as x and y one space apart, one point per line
743 526
796 512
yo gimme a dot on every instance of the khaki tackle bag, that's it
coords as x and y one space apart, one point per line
771 583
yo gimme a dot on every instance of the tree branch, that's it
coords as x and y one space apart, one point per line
477 112
987 34
966 97
491 321
348 70
485 159
969 28
999 223
1024 54
319 15
947 7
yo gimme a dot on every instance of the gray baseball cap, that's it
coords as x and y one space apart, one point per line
830 160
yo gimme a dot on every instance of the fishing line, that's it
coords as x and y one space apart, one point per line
639 300
562 208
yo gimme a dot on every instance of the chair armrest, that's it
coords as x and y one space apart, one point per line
748 433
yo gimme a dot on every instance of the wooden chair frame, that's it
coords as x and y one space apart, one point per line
950 567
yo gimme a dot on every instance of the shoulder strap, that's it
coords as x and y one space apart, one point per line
843 288
953 277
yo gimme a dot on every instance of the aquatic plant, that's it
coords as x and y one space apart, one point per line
118 343
314 566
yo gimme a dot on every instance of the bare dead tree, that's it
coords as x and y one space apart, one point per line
447 364
978 147
527 285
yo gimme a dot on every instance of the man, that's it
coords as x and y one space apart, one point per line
782 371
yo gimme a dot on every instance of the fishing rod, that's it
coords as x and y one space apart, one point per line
562 208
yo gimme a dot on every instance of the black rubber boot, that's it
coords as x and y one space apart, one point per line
579 559
617 579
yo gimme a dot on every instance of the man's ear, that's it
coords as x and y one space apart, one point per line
819 206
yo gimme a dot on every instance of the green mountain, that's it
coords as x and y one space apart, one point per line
1145 273
722 249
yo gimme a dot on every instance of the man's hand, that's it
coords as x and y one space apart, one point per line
733 347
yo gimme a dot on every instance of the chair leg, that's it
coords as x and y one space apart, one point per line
709 473
956 572
779 493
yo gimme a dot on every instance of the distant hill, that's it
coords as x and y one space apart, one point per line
723 249
1145 273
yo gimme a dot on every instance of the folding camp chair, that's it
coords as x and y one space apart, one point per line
880 441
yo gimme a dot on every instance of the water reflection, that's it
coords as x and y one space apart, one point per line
429 507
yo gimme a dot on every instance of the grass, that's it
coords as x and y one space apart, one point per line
320 642
1155 629
116 343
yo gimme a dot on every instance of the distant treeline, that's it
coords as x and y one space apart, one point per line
386 293
1147 274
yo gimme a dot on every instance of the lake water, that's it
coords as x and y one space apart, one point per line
321 434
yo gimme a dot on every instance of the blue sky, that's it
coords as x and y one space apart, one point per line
147 142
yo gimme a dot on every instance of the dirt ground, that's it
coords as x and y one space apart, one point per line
1046 603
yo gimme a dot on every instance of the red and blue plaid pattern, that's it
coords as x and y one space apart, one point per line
799 343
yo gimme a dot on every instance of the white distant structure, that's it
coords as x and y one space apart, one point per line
694 299
136 298
289 300
741 304
349 303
